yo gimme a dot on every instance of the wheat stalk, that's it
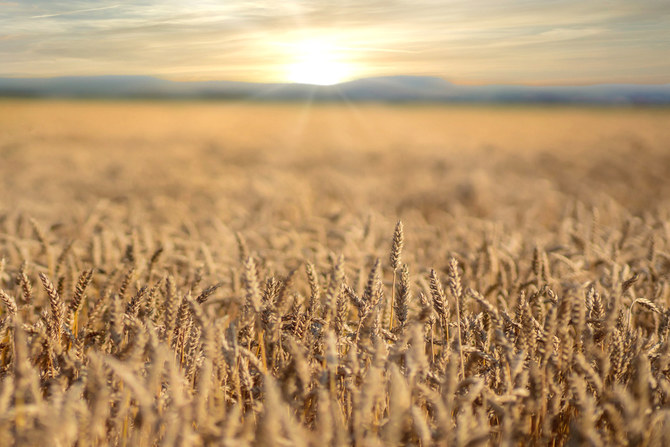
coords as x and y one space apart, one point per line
396 253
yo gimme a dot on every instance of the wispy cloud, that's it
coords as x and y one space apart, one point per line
77 11
485 41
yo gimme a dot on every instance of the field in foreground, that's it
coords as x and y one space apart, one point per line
229 274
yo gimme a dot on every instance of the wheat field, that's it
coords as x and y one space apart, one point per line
190 274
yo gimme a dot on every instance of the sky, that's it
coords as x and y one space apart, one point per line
326 41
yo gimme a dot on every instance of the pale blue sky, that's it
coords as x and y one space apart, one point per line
489 41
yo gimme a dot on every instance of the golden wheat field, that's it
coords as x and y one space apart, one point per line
235 274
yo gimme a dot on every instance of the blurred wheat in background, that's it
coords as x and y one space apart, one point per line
227 274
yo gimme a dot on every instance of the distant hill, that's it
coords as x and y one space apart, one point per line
381 89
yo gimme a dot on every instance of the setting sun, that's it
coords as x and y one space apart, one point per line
317 62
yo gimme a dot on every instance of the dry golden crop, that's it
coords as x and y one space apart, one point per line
234 274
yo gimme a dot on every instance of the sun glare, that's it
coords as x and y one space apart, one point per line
317 62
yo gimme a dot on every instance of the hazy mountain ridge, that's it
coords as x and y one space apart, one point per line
382 89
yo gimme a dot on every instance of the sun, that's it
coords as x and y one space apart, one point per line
316 70
317 62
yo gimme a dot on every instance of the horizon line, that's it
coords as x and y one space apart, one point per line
463 83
